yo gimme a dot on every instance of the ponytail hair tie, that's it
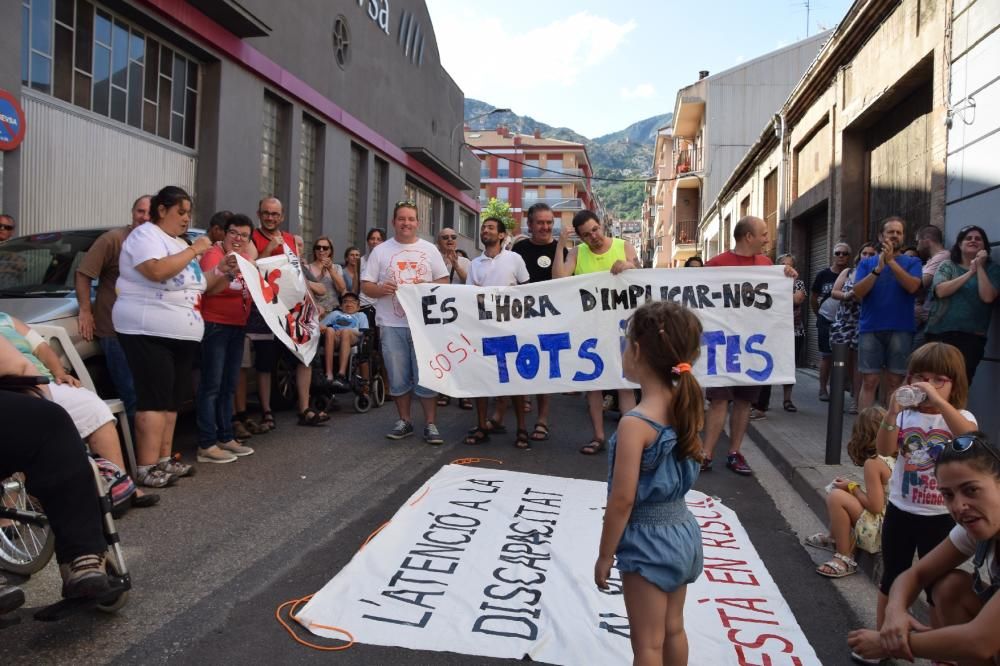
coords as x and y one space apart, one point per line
681 368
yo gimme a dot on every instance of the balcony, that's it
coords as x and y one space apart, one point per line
546 173
555 203
686 232
687 160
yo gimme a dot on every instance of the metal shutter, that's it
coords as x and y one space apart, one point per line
819 258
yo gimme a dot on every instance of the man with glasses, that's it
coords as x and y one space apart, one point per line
824 306
101 264
597 254
931 250
886 285
7 227
403 259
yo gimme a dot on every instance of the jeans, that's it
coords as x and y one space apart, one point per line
121 375
401 362
221 356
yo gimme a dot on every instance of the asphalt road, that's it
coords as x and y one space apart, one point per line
223 549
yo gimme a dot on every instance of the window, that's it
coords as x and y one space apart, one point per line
745 207
380 187
484 169
503 194
425 206
466 223
531 169
503 168
82 54
484 197
307 178
530 195
270 150
355 194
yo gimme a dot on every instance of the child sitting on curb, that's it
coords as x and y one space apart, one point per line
856 514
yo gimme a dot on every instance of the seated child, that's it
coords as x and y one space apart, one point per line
856 514
347 323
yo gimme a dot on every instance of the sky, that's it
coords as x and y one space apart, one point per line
597 66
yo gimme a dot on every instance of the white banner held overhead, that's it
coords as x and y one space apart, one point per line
282 298
501 564
567 334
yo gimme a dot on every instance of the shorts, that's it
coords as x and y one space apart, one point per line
745 393
400 359
889 350
265 354
902 534
88 411
823 335
161 368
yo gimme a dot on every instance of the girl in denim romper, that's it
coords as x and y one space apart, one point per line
654 459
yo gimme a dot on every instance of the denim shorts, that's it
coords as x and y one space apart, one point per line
823 335
400 359
888 350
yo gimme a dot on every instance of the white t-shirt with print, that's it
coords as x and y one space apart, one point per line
403 263
504 270
168 309
912 486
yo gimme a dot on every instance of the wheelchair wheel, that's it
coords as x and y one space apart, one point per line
362 403
24 548
115 605
378 390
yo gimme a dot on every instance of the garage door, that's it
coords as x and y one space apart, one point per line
819 258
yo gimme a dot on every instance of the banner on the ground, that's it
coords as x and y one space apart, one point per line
501 564
568 334
278 287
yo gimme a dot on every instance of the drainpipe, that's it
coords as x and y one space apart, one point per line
783 241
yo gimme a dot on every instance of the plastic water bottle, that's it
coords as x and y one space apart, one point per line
909 397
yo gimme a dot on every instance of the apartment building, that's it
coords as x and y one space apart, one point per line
524 169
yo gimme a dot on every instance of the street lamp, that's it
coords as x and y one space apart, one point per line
469 120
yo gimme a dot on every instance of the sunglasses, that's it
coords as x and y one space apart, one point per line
963 443
325 248
449 237
405 203
841 254
6 227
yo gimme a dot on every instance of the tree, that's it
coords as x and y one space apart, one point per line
500 210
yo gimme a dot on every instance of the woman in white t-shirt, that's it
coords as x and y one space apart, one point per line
158 320
967 608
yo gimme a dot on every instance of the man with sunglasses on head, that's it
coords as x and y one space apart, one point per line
824 306
403 259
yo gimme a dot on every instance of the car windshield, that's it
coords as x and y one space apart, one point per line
43 264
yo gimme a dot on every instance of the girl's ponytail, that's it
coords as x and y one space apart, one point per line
687 413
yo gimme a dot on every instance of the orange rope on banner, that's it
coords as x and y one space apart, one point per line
375 533
473 461
422 495
291 632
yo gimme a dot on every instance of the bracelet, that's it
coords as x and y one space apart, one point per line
852 486
876 273
888 426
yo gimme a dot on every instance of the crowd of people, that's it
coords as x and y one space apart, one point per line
915 323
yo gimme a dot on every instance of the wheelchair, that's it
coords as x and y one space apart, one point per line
367 392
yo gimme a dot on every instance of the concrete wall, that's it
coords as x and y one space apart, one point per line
973 172
10 80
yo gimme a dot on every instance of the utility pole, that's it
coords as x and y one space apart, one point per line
807 17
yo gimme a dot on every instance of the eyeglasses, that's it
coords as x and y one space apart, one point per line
236 234
963 443
451 237
937 381
325 248
6 227
841 254
268 214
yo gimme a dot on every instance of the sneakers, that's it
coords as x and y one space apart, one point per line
236 448
154 477
757 414
176 467
400 430
85 577
737 463
339 383
852 406
706 464
215 454
431 434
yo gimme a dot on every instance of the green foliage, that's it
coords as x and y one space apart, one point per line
624 200
498 209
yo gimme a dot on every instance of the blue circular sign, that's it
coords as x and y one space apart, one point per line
11 121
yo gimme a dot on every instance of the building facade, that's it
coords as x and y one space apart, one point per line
338 108
523 170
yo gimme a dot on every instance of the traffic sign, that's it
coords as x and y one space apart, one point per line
11 121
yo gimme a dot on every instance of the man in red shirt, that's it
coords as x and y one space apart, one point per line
750 236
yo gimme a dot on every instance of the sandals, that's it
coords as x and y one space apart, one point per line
523 441
495 427
540 432
822 541
477 436
443 401
465 403
595 446
310 417
837 567
790 406
267 423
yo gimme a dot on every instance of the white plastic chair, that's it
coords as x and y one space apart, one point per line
117 407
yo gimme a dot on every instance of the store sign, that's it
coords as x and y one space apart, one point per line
378 12
11 121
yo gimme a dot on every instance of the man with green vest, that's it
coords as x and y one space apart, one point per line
597 253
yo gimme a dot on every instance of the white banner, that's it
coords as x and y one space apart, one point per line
283 300
567 335
501 564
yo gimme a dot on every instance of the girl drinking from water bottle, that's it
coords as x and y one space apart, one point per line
654 459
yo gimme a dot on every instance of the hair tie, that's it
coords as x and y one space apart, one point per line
681 368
